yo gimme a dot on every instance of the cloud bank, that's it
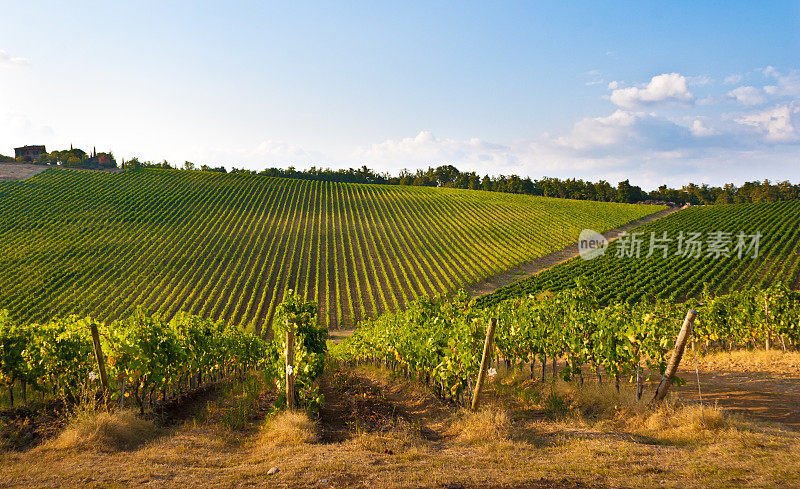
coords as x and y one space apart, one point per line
656 134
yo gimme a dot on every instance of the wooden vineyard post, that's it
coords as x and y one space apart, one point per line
485 360
98 354
675 360
768 340
289 365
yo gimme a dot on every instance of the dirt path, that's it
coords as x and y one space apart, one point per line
22 171
363 400
767 398
541 264
767 390
19 171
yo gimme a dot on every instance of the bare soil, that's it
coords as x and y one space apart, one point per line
763 385
24 427
22 171
19 171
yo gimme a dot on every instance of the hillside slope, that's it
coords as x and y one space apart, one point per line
228 246
682 275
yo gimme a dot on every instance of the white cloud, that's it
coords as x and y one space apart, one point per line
700 130
8 61
267 153
596 78
688 142
777 124
661 88
279 150
788 84
628 133
747 95
733 79
645 147
599 131
768 71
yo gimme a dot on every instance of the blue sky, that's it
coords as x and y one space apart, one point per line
665 92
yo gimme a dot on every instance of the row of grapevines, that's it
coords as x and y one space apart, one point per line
751 315
147 355
227 246
680 276
439 341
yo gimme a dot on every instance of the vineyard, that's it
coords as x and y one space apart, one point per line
147 356
179 271
226 247
680 276
438 342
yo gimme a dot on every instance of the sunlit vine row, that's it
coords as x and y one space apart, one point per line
228 246
439 341
679 277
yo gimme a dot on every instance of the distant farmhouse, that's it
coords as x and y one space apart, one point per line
28 153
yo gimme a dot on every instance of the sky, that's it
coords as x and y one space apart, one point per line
655 92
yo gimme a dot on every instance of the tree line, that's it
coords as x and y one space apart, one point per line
449 176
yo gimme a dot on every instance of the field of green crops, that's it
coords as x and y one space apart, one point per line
683 274
228 246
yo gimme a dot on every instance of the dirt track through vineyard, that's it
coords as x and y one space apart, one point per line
545 262
765 390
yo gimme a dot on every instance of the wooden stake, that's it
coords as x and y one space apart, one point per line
485 360
639 386
289 365
98 354
672 367
768 340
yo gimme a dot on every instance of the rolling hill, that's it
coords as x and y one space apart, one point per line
227 246
682 275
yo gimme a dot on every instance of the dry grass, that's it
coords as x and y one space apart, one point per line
690 419
601 439
99 430
289 428
402 438
603 401
774 361
489 424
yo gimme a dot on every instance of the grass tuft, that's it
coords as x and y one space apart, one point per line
490 424
288 428
88 429
689 419
602 401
